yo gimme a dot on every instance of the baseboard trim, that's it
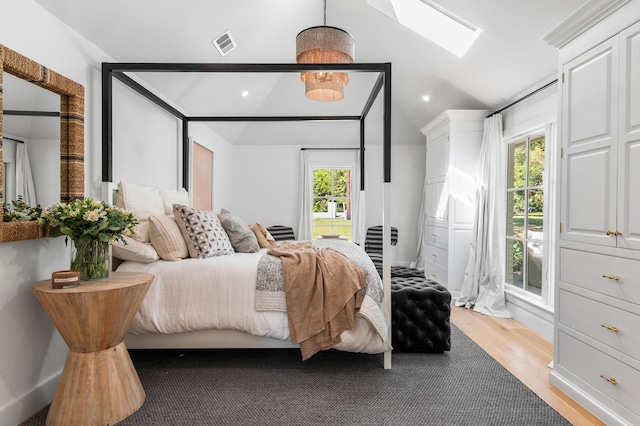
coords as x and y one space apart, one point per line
30 403
531 315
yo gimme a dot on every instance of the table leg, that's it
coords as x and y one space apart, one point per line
96 388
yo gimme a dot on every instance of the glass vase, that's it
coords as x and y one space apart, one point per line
90 257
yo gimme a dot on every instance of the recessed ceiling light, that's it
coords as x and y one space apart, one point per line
432 22
245 93
426 98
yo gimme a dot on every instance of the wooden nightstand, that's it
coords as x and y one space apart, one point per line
98 385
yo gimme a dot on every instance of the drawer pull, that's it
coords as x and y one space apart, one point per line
609 379
434 235
434 255
611 277
434 275
610 327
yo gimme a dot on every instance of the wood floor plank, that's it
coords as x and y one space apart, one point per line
525 354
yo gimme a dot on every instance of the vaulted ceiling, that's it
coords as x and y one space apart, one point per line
507 60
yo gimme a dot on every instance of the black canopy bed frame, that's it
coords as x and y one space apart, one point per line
230 338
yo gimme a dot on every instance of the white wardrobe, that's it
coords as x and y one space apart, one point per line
453 149
597 299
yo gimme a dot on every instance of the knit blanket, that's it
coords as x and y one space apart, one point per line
270 285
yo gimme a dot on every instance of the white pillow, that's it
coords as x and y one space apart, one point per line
135 251
143 200
173 196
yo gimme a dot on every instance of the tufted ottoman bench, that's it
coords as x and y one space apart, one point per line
420 314
406 272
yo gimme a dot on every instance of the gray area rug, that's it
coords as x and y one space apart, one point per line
274 387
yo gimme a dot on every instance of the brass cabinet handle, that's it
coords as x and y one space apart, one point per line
609 232
434 275
614 233
610 327
609 379
434 235
611 277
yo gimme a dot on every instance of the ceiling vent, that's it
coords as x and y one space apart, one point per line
224 43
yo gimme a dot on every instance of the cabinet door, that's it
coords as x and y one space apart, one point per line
442 201
589 137
442 148
437 197
629 148
431 201
431 171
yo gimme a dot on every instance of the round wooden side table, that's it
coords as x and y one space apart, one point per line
98 385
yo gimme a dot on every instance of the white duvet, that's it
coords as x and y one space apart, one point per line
219 293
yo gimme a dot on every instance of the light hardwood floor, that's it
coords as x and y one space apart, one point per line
525 354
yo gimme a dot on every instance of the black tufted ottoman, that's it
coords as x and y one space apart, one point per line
420 314
406 272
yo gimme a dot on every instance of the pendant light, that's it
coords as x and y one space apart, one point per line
324 45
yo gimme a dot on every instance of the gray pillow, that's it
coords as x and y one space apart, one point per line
242 238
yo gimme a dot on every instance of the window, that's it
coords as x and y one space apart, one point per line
525 242
332 204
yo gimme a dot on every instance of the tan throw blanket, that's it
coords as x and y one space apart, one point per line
323 292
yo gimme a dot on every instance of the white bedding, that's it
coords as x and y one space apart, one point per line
219 293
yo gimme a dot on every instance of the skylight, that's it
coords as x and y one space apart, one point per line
432 22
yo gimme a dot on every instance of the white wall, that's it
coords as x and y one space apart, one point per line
265 186
31 351
223 163
46 173
145 147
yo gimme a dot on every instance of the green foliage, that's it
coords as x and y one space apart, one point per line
332 226
19 211
323 192
536 175
517 256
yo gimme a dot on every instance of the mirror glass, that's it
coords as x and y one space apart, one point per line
31 117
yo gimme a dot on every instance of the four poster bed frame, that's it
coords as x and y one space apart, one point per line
230 338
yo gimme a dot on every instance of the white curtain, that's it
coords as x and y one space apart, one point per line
483 284
305 199
418 261
24 178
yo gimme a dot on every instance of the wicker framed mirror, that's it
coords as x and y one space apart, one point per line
71 135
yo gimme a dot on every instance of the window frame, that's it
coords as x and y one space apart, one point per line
352 188
339 158
547 290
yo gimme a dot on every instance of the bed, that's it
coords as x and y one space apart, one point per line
215 302
232 337
234 297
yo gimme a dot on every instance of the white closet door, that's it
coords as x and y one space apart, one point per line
589 137
629 130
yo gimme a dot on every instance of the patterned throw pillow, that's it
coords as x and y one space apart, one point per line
202 231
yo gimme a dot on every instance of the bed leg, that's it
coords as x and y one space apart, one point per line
387 360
